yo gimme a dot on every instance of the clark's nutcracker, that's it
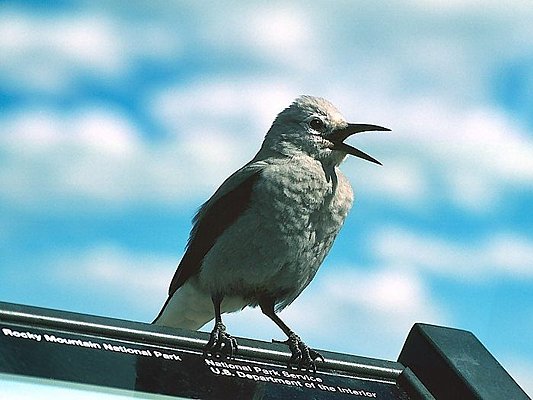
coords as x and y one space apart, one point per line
260 239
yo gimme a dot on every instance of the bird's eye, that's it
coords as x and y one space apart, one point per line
317 124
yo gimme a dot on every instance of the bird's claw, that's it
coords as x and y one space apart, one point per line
303 357
220 344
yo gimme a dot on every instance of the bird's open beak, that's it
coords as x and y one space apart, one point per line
338 136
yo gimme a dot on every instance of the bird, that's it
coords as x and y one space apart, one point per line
261 237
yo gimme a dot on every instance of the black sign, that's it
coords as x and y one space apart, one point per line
134 365
42 348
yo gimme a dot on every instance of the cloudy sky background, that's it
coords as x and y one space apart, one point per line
117 122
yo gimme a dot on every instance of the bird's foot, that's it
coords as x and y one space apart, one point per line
221 344
302 357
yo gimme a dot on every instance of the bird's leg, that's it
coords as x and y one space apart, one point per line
220 343
302 356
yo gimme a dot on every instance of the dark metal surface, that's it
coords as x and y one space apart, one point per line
435 362
412 385
135 356
453 364
191 339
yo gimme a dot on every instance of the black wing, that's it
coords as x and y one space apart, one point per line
209 225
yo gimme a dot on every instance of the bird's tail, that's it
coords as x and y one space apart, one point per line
186 308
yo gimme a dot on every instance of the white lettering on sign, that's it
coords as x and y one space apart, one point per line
52 338
127 350
22 335
259 373
166 356
72 342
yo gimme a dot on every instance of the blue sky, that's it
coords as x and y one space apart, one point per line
118 122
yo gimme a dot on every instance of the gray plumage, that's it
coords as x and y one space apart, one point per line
260 239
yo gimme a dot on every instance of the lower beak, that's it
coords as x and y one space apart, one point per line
338 136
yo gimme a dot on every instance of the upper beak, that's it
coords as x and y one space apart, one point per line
338 136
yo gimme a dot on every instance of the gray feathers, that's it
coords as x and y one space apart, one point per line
261 237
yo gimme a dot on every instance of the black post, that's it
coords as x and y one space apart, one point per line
453 364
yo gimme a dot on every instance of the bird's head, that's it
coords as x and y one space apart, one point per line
313 126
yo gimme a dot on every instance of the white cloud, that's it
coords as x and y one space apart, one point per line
46 53
506 255
96 154
471 160
278 34
470 157
114 274
438 153
441 148
351 311
93 128
250 103
403 181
